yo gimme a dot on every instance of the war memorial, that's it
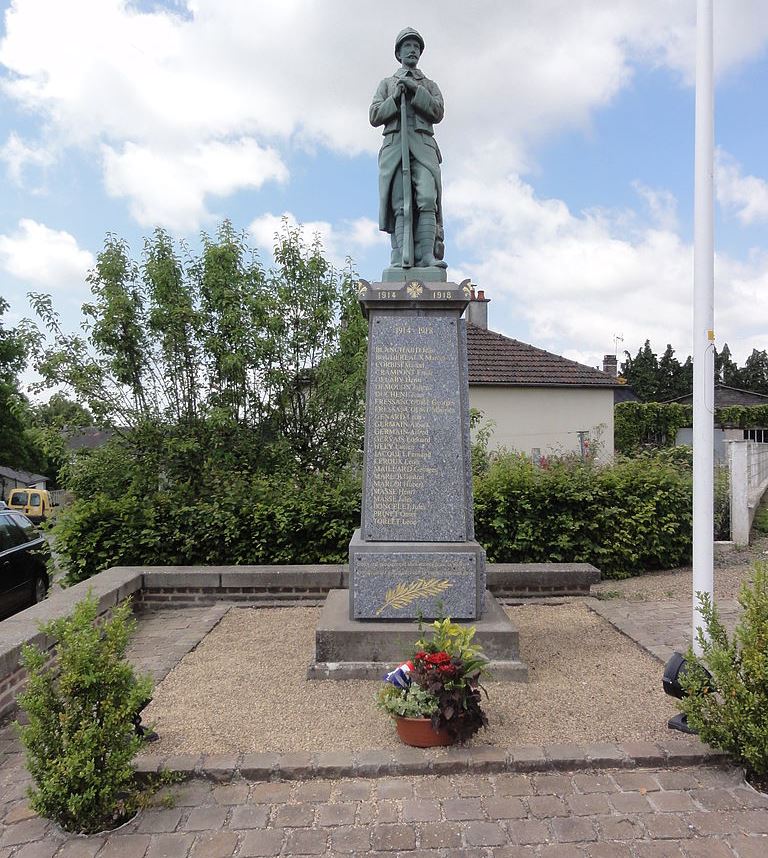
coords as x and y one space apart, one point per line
415 554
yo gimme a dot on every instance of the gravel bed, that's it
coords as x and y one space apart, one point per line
244 689
731 568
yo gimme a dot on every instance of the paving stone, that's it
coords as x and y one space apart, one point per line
706 822
643 753
205 818
420 810
658 849
608 850
665 826
546 806
170 845
249 816
385 811
81 848
715 799
674 801
215 844
588 783
463 808
352 840
525 831
313 791
41 849
394 788
513 785
486 758
515 852
749 821
268 793
125 846
484 834
259 843
443 835
18 812
354 790
433 788
613 828
505 807
373 763
552 784
295 766
393 837
156 821
335 764
189 794
677 779
24 832
708 848
233 793
258 766
562 850
336 814
636 781
471 786
745 846
630 802
573 830
588 805
529 758
306 841
293 815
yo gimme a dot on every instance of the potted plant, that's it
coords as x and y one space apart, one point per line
435 696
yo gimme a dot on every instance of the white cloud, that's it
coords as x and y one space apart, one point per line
44 257
745 196
170 187
662 205
338 240
583 279
18 155
295 73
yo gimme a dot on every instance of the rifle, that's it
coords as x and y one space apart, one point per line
406 157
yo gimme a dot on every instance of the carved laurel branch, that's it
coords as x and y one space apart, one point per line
405 593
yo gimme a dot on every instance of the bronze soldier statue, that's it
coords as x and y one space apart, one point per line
408 104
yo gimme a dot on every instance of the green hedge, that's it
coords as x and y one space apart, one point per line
625 518
638 425
259 521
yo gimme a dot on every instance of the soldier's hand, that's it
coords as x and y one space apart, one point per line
409 83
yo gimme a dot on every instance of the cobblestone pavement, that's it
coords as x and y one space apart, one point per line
695 812
658 627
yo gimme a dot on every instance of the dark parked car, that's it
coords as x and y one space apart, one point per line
23 563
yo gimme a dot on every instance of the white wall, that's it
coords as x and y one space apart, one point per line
547 418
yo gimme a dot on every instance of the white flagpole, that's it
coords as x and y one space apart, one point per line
703 318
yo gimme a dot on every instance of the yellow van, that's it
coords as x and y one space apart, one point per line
34 503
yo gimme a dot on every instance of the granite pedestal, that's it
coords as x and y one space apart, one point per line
359 649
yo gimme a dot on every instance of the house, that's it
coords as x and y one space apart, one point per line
724 396
537 402
12 479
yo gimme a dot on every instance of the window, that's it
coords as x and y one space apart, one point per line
759 435
34 499
26 525
10 535
19 498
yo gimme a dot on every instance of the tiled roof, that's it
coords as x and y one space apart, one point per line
725 395
496 359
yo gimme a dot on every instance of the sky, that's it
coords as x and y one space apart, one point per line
567 146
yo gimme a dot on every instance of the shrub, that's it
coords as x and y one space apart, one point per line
624 518
729 711
80 740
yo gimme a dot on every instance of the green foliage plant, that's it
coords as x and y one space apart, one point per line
444 681
729 711
80 739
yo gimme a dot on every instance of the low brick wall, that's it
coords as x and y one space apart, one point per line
155 587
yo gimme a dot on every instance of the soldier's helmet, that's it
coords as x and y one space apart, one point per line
407 33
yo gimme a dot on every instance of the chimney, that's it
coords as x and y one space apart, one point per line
611 365
477 309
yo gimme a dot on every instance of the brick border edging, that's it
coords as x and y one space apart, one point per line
483 759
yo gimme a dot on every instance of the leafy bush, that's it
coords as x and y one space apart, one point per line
732 716
80 740
277 519
624 518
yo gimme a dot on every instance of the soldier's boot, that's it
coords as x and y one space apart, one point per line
425 242
396 260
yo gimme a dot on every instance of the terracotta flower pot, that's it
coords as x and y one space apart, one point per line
419 733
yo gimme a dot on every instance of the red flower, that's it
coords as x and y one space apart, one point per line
447 669
438 658
419 655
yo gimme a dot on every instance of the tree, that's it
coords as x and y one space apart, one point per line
726 370
205 364
17 446
754 375
642 373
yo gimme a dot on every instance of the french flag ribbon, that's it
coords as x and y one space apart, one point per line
400 676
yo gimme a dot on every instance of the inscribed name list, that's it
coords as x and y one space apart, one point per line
414 482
